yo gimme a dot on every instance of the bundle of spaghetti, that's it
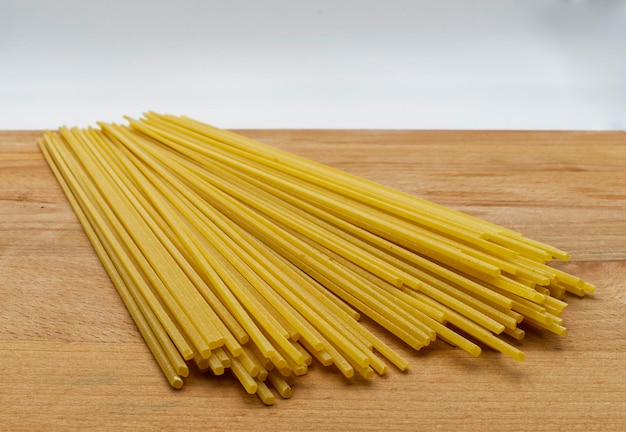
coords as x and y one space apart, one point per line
236 256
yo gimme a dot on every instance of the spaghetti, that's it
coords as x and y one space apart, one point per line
240 257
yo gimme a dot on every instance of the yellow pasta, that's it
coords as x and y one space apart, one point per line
169 362
280 385
237 256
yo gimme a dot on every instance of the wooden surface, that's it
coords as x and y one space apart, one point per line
71 358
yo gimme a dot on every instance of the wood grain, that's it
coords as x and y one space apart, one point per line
71 358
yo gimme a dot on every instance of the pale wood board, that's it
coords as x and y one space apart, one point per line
72 359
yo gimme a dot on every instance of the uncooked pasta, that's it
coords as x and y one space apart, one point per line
243 258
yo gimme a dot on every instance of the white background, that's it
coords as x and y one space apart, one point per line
485 64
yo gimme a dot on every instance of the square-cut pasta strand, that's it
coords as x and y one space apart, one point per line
320 355
280 384
240 372
265 394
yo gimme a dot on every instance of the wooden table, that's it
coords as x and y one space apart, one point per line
72 359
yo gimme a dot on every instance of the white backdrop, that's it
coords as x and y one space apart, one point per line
484 64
